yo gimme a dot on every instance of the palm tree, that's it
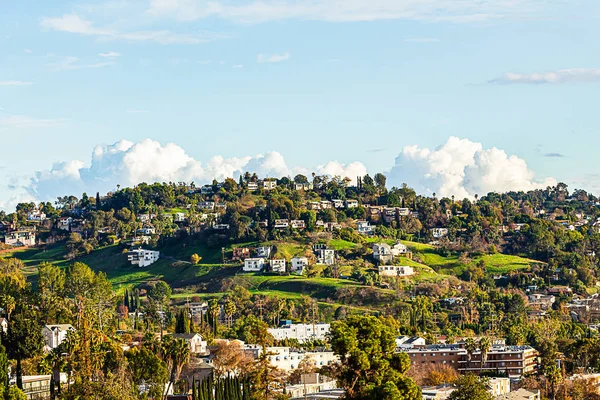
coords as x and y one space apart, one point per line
484 347
213 310
470 347
55 361
177 352
9 304
230 309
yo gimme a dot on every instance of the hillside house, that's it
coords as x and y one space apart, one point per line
297 224
179 217
337 203
382 252
314 205
278 265
3 325
147 231
364 228
206 189
194 341
299 264
143 258
263 251
6 226
439 233
325 256
64 223
326 205
303 186
254 264
393 270
36 216
351 203
146 217
20 238
252 186
301 332
206 205
221 227
54 335
240 253
269 184
281 223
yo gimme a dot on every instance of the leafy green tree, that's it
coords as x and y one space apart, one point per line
23 340
147 368
3 371
14 393
471 387
370 368
160 292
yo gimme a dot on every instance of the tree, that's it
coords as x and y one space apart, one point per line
195 259
23 340
229 359
471 387
177 354
470 347
230 309
370 368
160 293
148 369
14 393
484 347
3 370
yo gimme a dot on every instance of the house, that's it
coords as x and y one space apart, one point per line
269 184
521 394
439 233
146 217
252 186
303 186
38 386
330 226
382 252
337 203
194 341
326 205
147 231
314 205
6 226
325 256
198 309
179 217
221 227
54 335
263 251
281 223
299 264
298 224
278 265
3 325
288 358
301 332
206 205
393 270
64 223
36 215
364 228
254 264
313 386
351 203
264 223
541 302
20 238
409 342
558 290
143 258
239 253
206 189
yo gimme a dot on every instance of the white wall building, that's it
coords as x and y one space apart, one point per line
278 265
325 256
288 358
301 332
439 233
299 264
143 258
254 264
54 335
20 238
36 215
395 270
179 217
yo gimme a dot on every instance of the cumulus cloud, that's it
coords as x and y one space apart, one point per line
73 23
462 168
273 58
127 164
572 75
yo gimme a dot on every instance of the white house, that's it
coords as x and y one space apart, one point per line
337 203
299 264
20 238
36 215
263 251
3 325
326 205
301 332
254 264
408 342
304 186
382 252
221 227
325 256
281 223
147 231
54 335
194 341
439 233
252 186
278 265
269 185
363 227
179 217
288 358
350 203
64 223
207 205
143 258
394 270
297 224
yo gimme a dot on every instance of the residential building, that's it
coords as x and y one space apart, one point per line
54 335
303 186
194 341
325 256
278 265
351 203
38 386
314 205
541 301
382 252
301 332
364 228
198 309
395 270
441 392
240 253
64 223
146 217
298 224
3 325
147 231
221 227
326 205
288 358
337 203
6 226
408 342
20 238
206 205
254 264
299 264
269 184
439 233
36 215
179 217
206 189
143 258
313 383
263 251
521 394
281 223
252 186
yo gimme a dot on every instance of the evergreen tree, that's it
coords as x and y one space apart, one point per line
98 202
3 371
126 299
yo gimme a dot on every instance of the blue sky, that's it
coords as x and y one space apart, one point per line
313 80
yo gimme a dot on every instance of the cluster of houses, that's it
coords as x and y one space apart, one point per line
142 258
262 261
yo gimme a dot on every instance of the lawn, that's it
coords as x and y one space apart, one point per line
340 244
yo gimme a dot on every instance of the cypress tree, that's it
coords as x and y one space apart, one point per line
126 299
194 393
98 202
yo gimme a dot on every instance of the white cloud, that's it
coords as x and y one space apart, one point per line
28 51
572 75
110 54
70 63
274 58
238 66
257 11
15 83
462 168
204 62
26 122
128 164
73 23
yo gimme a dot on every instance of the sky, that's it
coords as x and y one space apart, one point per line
451 96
